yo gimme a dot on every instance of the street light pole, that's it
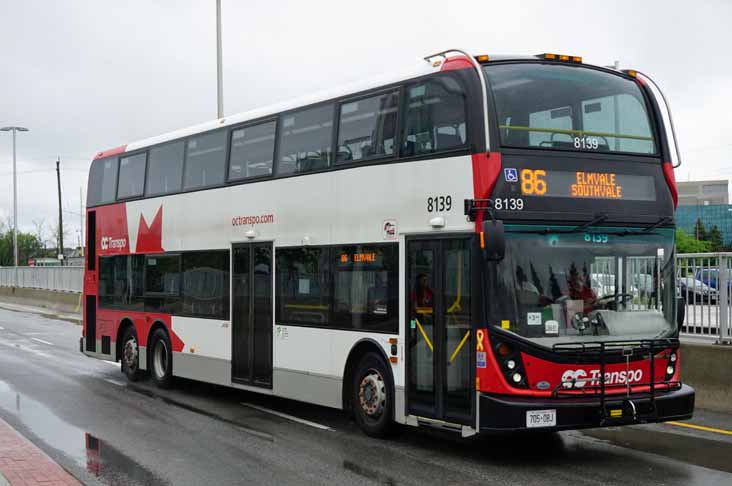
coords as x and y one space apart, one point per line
219 68
15 201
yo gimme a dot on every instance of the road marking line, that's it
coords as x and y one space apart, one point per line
288 417
113 363
2 328
114 382
42 341
701 427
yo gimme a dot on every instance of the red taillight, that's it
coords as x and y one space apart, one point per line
668 173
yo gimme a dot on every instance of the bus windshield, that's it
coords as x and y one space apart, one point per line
558 285
554 106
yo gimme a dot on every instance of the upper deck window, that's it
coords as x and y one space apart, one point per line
434 117
367 128
570 108
131 176
165 169
205 160
306 139
252 151
102 187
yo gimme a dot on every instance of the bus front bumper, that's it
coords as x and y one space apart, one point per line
501 413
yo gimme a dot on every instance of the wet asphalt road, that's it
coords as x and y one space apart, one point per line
84 414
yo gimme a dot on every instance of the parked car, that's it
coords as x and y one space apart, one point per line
710 276
693 290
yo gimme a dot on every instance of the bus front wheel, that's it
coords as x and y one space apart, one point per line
161 359
373 396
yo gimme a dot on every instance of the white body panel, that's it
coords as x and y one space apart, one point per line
335 207
204 337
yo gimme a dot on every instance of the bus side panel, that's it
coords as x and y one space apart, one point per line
309 362
206 351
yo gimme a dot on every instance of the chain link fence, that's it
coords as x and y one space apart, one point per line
61 279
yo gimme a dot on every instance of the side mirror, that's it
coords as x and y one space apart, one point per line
680 311
493 240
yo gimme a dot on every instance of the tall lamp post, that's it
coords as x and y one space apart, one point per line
15 201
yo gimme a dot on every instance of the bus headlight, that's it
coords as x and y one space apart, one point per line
516 377
511 364
670 370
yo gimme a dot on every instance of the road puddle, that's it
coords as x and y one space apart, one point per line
101 460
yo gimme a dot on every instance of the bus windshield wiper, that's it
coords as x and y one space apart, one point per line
645 231
599 218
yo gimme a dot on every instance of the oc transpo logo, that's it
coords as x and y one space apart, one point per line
109 243
581 378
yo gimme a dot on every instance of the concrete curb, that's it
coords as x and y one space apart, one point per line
57 302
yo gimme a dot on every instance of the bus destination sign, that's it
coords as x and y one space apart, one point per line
586 185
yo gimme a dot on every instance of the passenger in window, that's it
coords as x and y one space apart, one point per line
422 295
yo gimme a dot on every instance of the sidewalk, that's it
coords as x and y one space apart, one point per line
23 464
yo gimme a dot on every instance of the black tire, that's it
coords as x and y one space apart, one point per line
130 358
372 397
161 359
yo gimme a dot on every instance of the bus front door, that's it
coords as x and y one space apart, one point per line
251 320
440 342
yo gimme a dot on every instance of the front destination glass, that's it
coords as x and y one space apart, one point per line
561 285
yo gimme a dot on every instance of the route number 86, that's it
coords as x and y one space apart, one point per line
533 182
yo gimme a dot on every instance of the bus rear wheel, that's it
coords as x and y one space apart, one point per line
131 355
372 397
161 359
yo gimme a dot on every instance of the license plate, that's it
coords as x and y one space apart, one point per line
541 418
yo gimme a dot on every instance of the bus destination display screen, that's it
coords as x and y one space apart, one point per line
586 185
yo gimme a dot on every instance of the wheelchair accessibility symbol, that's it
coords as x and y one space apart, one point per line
511 175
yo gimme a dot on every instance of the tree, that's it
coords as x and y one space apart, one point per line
687 244
700 233
715 238
28 247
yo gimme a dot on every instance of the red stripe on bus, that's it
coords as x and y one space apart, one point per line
150 237
114 151
668 173
486 168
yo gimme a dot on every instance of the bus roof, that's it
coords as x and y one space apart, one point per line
420 69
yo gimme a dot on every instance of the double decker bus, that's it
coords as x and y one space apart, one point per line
483 244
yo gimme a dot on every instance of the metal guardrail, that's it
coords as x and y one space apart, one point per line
704 280
61 279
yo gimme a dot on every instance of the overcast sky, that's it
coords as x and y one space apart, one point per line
85 76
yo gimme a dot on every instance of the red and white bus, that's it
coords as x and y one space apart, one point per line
483 244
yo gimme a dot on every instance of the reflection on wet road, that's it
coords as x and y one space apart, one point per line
103 430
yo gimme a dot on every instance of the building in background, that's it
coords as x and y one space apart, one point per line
703 193
707 201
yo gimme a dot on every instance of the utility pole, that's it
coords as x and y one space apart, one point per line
219 68
60 214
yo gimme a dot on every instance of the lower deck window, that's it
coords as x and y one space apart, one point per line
345 287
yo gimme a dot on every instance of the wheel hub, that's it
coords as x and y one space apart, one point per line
372 393
130 354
